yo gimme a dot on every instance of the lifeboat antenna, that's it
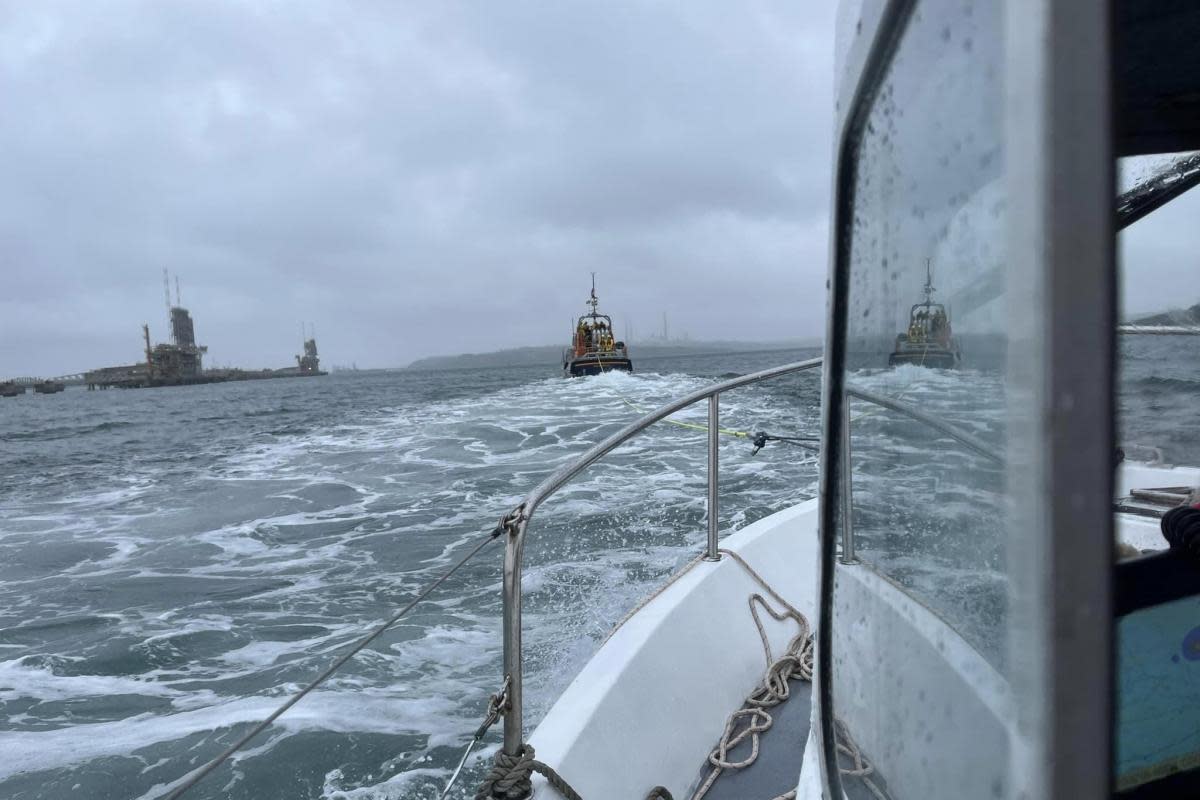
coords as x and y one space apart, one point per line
928 283
593 301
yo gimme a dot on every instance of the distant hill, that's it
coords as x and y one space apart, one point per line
551 355
1179 316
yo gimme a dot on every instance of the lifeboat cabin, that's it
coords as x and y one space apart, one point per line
594 348
928 342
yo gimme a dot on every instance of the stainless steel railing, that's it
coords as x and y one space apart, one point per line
517 522
953 431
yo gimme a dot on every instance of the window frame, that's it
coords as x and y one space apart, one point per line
1061 181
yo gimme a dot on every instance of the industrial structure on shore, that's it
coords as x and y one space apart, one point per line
17 386
180 362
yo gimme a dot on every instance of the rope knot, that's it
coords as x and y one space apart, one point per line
509 777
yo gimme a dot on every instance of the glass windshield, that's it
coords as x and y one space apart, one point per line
928 228
920 610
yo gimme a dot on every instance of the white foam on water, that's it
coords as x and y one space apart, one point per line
428 479
33 682
264 654
362 711
397 786
135 487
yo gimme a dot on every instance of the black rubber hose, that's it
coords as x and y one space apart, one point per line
1181 528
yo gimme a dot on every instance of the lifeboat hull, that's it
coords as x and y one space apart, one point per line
593 364
932 357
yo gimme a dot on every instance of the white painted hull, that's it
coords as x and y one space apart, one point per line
650 704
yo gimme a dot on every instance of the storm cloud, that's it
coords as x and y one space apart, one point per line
414 179
420 179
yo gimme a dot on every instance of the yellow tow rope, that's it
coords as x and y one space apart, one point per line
692 425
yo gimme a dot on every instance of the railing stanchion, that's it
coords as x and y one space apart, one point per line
514 544
714 474
847 489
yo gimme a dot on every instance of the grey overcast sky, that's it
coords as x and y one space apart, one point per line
424 178
414 179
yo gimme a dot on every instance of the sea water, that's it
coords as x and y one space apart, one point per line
175 562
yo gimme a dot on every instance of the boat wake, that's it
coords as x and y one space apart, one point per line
161 599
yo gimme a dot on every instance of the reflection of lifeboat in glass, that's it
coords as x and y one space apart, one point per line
593 347
929 341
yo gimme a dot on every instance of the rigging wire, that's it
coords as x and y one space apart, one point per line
201 773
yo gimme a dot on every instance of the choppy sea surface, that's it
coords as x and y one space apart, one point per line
175 562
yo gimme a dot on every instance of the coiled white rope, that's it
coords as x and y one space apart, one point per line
796 663
753 719
749 722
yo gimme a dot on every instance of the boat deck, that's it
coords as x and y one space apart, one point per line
776 771
780 751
